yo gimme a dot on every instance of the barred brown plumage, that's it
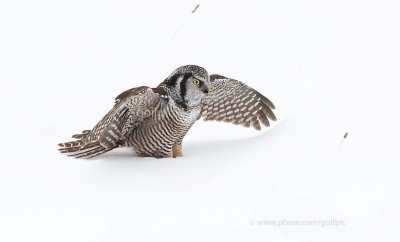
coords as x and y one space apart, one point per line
154 121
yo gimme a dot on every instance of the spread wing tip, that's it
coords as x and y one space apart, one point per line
234 102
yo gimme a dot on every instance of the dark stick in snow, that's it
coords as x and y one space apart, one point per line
194 10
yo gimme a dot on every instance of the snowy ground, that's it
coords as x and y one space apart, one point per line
330 67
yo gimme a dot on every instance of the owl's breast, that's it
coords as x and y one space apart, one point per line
156 134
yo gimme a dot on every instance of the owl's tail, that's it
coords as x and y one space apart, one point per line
82 148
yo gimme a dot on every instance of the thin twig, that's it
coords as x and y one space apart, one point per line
184 22
341 143
194 10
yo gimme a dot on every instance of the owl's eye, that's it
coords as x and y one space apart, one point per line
196 82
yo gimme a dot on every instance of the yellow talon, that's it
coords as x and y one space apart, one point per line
177 150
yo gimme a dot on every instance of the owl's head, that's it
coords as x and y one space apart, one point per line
188 84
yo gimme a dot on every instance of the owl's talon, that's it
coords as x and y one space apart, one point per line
177 150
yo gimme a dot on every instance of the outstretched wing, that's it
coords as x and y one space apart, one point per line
131 107
234 102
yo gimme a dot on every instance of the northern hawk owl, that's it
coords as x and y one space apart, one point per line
154 121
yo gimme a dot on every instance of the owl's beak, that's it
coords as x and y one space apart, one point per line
209 87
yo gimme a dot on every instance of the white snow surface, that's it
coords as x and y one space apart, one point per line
330 67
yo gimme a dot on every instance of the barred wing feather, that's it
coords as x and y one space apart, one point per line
114 128
234 102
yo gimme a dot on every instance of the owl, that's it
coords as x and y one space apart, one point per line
154 121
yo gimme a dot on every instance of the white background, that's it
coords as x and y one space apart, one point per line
329 66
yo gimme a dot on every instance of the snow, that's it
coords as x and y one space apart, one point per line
330 67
